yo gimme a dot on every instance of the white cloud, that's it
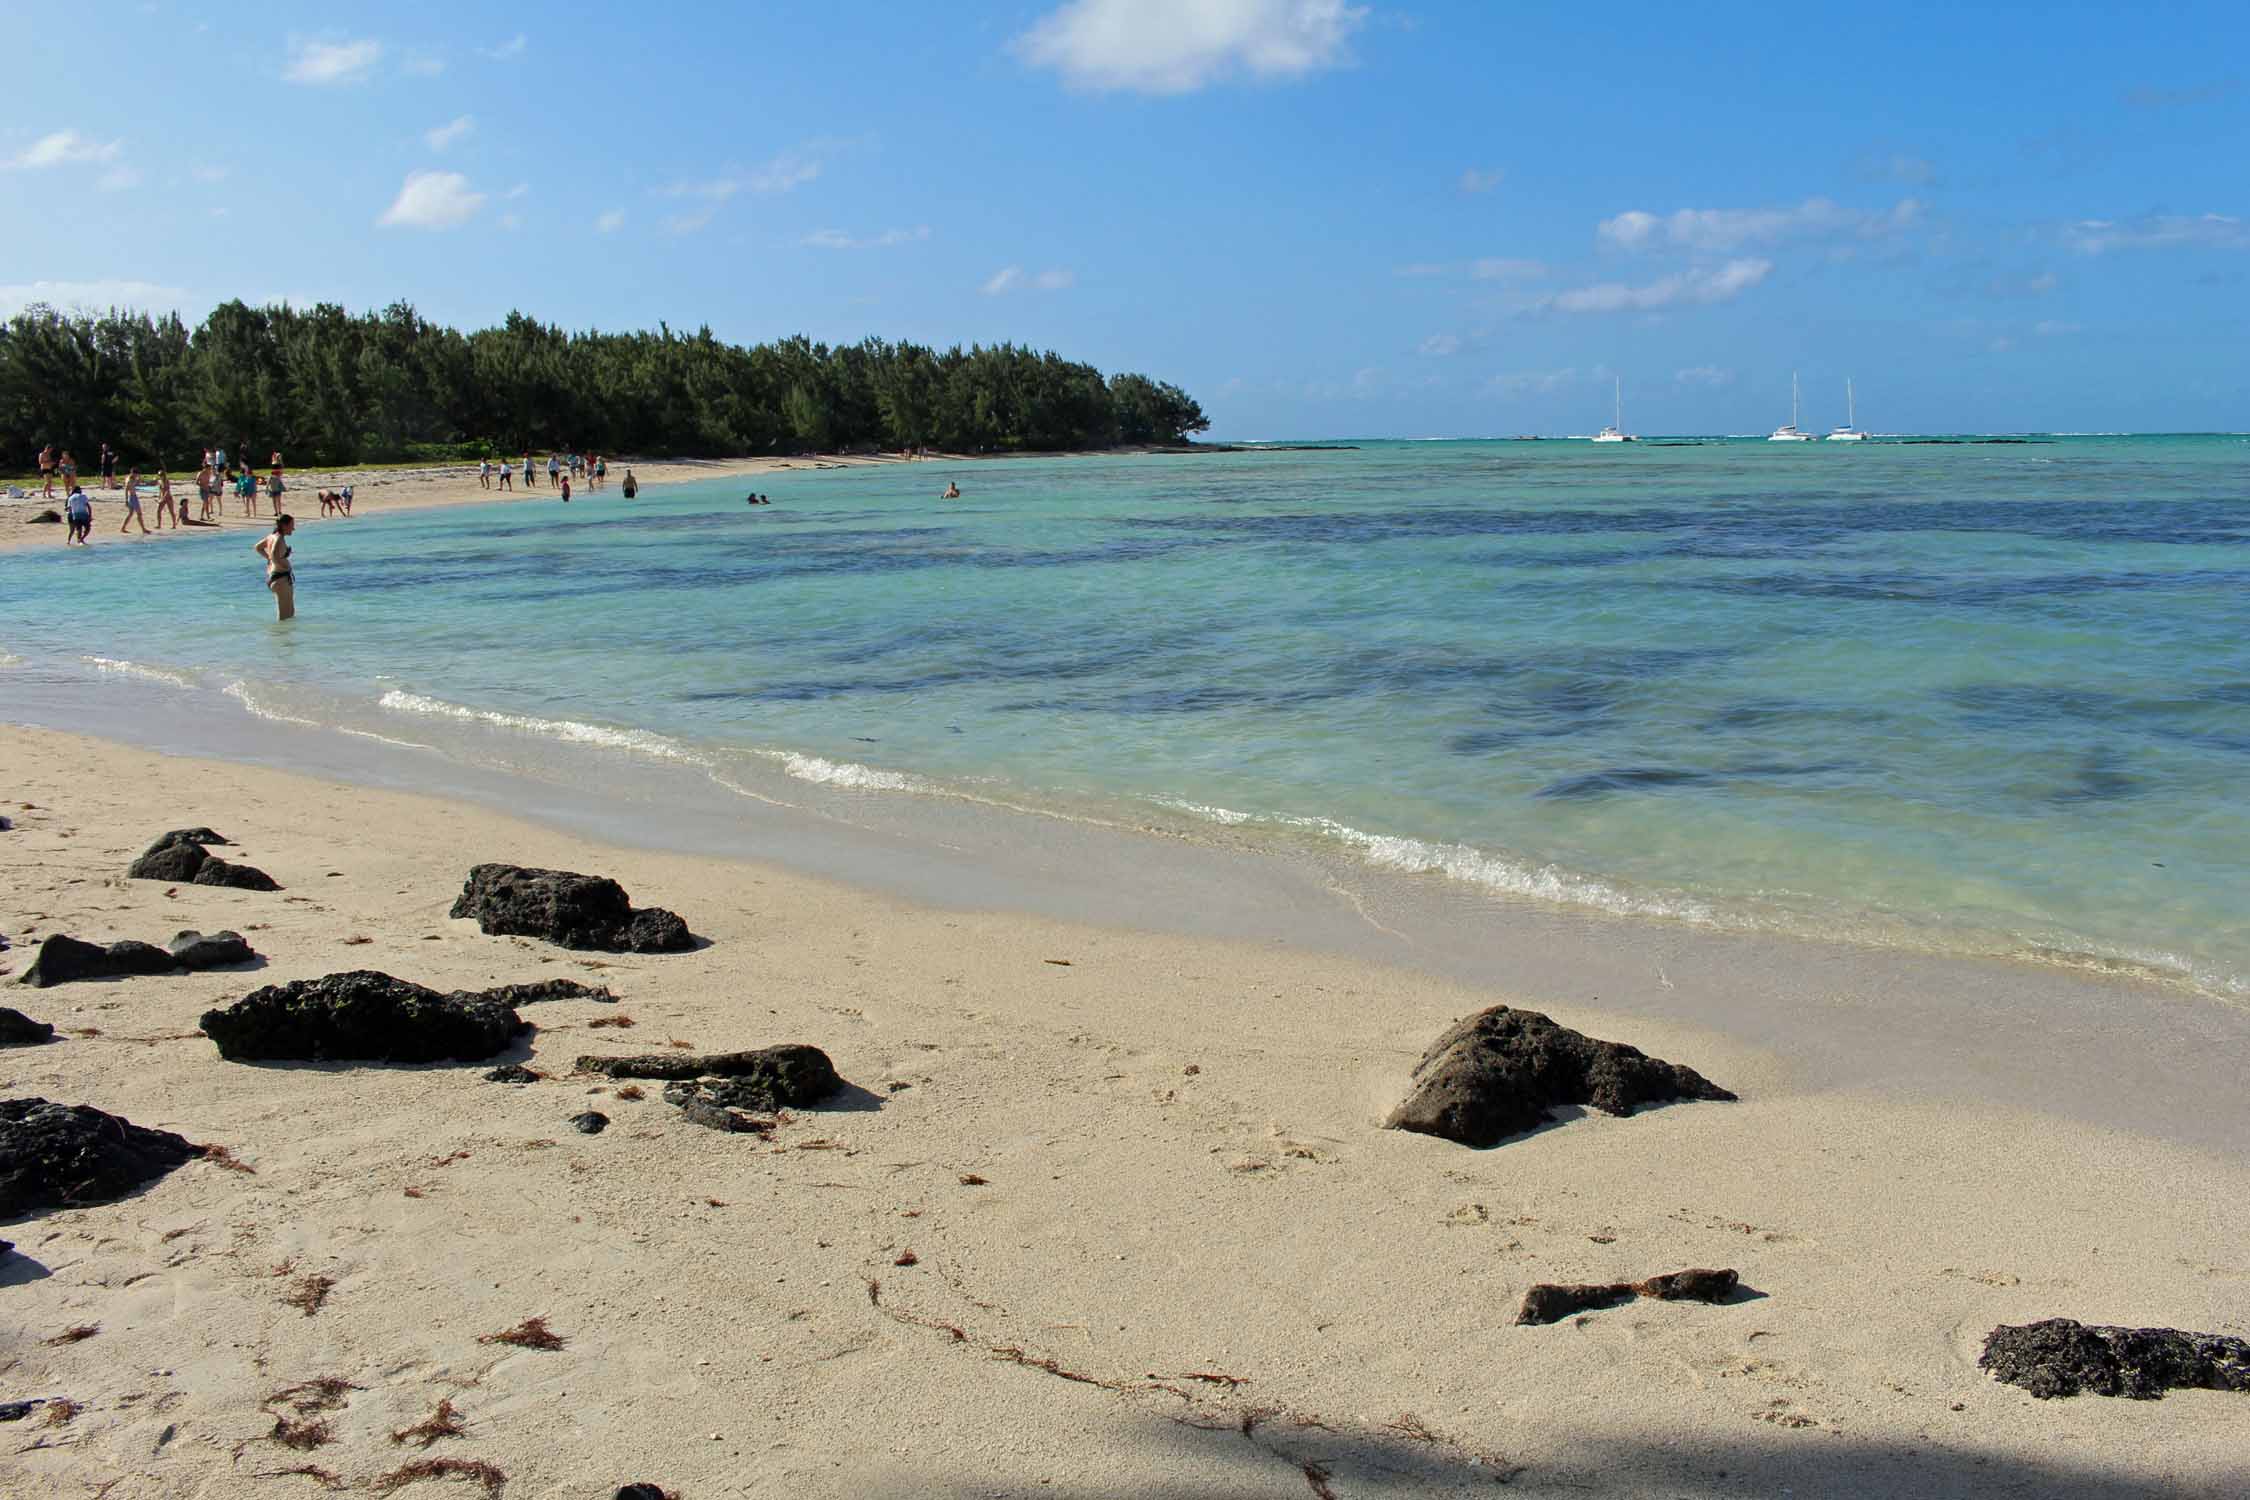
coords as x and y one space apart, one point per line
2159 232
611 222
837 239
1501 269
119 179
1705 285
1723 229
687 223
1178 46
1439 345
65 148
520 190
2000 345
456 129
2043 283
99 296
717 189
2049 328
1708 375
425 65
511 49
1477 181
331 62
1537 382
795 167
1014 278
433 200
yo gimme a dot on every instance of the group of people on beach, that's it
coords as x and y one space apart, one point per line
588 470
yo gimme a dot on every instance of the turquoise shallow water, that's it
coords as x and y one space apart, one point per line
1993 698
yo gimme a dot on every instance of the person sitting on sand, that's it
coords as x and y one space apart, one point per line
952 491
281 578
632 485
133 514
80 511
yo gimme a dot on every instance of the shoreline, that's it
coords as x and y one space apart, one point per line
1180 1174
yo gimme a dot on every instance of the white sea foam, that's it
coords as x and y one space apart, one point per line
135 669
849 774
240 693
569 731
384 739
10 659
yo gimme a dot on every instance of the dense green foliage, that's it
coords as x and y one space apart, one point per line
326 387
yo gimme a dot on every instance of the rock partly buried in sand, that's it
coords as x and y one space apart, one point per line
1549 1303
360 1016
511 1073
574 911
1496 1074
176 856
640 1492
547 989
217 871
62 959
19 1030
220 950
708 1089
592 1122
2061 1357
66 1155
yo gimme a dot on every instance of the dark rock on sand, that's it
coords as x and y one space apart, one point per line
62 959
19 1030
640 1492
1496 1074
592 1122
217 871
65 1155
220 950
176 856
769 1078
1549 1303
511 1073
2061 1357
702 1109
16 1411
44 518
360 1016
548 989
575 911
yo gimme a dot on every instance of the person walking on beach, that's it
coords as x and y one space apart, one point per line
484 473
80 511
508 474
133 514
530 475
554 467
281 578
164 500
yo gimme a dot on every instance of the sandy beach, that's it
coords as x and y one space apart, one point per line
1105 1212
376 491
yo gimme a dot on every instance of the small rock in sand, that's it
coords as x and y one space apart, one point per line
592 1122
19 1030
511 1073
571 910
1496 1074
220 950
2061 1357
1550 1303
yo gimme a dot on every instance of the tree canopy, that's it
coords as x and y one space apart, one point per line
329 387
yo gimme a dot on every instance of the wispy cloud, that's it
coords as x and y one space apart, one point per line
837 239
717 189
1898 166
610 222
687 223
1014 279
509 50
331 62
1480 180
2050 328
1703 375
1540 382
432 200
783 172
2158 232
456 129
208 174
424 64
1500 268
2152 97
1439 345
119 179
1697 287
97 295
65 148
1723 229
1179 46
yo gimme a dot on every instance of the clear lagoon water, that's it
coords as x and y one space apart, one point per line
1974 697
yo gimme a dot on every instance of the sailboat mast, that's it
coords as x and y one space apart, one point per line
1792 400
1851 406
1619 391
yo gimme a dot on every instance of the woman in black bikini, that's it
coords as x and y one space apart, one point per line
280 577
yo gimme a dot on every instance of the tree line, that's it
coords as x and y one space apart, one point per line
326 386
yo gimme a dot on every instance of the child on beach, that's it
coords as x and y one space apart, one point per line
508 474
484 473
80 511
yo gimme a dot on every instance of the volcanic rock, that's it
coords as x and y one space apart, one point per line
769 1078
548 989
511 1073
19 1030
66 1155
574 911
1496 1074
220 950
62 958
1549 1303
592 1122
360 1016
217 871
176 856
2061 1357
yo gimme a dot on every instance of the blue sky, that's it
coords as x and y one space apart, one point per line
1322 218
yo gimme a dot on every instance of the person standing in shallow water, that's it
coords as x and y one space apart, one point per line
281 577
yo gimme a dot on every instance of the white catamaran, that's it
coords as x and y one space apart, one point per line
1615 432
1790 434
1849 432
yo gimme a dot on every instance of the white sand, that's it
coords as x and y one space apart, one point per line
1141 1223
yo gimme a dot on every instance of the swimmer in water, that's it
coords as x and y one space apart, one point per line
952 491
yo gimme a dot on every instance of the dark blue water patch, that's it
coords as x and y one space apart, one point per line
2099 779
1617 779
1969 592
